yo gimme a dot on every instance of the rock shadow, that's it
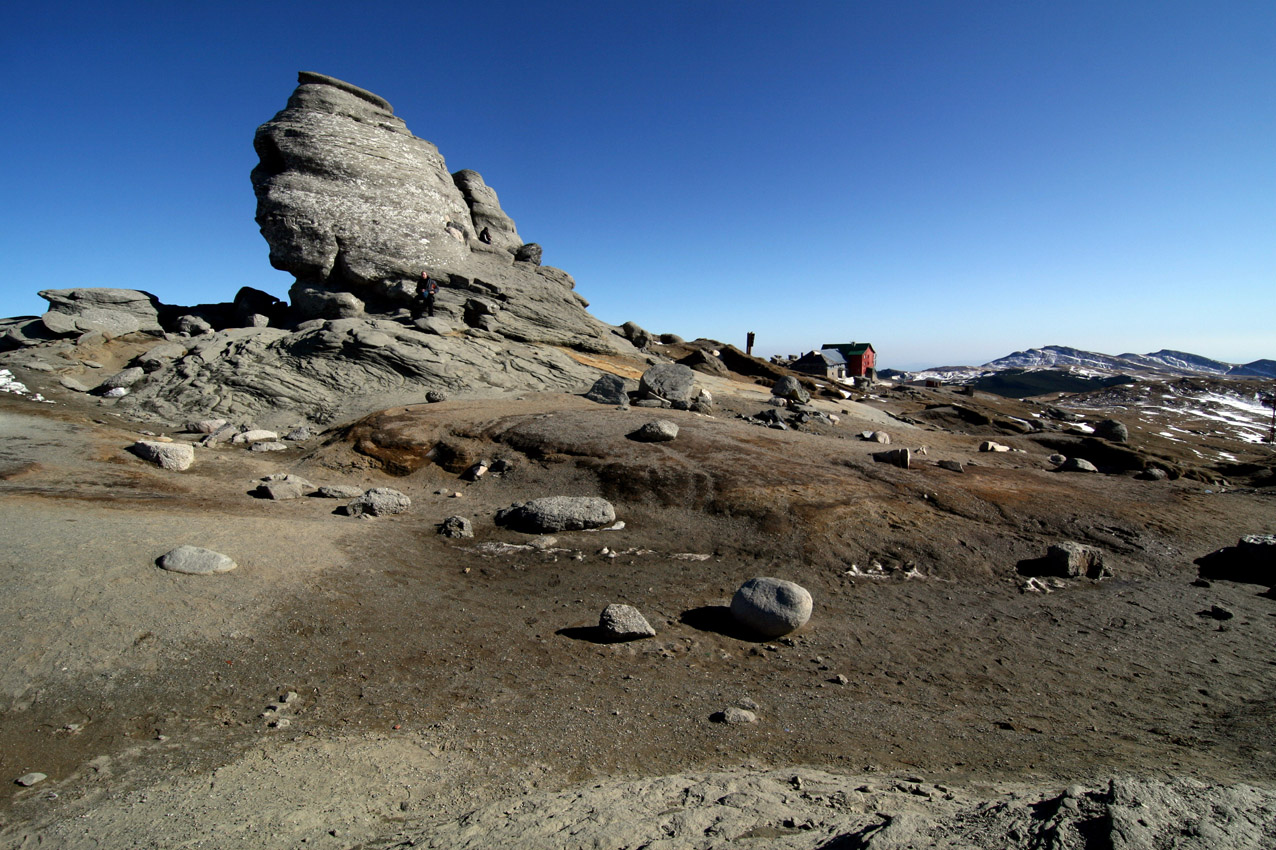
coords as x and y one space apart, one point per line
1039 567
592 634
718 619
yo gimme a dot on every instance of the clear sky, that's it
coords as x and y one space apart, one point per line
950 181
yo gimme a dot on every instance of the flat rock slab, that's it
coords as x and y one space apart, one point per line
558 513
176 456
194 560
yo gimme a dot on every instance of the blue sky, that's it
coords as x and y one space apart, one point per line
951 181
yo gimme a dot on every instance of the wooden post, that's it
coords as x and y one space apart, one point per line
748 346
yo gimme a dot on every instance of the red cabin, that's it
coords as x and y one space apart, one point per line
860 357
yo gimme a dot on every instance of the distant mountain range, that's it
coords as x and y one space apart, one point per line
1162 362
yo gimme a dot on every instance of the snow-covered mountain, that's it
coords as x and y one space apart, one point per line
1163 362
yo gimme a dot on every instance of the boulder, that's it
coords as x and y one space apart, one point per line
557 513
177 456
1077 464
624 622
1252 560
1153 473
733 715
951 465
192 325
1112 430
669 382
379 501
656 431
771 607
529 253
790 389
877 437
610 389
456 526
126 378
195 560
339 491
705 363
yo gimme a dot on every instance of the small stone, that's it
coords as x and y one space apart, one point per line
1073 560
289 698
734 715
840 679
990 446
194 560
28 779
280 723
951 465
477 471
878 437
1153 473
435 396
656 431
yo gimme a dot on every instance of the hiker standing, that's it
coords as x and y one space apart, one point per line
426 289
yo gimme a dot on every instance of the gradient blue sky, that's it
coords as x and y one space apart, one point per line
951 181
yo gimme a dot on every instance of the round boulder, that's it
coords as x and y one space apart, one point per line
771 606
1110 429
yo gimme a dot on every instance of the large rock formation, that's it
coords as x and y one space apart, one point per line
355 207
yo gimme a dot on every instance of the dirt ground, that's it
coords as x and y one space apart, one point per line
433 676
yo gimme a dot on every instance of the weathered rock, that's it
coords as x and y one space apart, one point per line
299 434
126 378
268 446
159 356
435 397
702 403
456 526
74 384
1111 429
529 253
557 513
379 501
610 389
254 435
669 382
951 465
192 325
771 607
896 457
317 302
624 622
705 362
1074 560
635 334
114 312
283 487
340 491
790 389
1153 473
177 456
991 446
1077 464
656 431
877 437
195 560
26 780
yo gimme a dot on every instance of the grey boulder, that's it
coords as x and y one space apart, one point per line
195 560
1077 464
1112 430
610 389
176 456
1074 560
790 389
557 513
624 622
671 382
456 527
771 607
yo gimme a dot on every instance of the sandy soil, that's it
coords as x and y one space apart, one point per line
433 677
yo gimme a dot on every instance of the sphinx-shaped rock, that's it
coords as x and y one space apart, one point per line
351 202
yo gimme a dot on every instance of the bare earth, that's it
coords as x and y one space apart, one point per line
448 692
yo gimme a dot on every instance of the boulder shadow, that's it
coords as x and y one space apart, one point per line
1038 567
718 619
592 634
